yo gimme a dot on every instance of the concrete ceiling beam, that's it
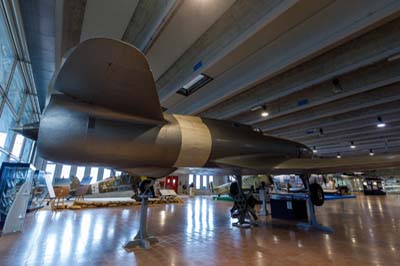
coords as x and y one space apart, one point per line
147 22
362 146
389 147
372 98
365 50
280 55
366 141
239 23
351 135
348 127
351 84
312 127
69 20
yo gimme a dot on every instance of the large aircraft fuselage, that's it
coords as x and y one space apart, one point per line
74 132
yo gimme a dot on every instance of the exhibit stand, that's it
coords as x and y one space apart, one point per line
312 222
15 192
142 238
263 199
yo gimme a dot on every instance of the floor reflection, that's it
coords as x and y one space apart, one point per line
199 232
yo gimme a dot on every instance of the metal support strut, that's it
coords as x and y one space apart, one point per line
313 223
142 238
263 198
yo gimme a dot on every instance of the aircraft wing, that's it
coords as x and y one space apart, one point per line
261 163
330 165
250 161
110 74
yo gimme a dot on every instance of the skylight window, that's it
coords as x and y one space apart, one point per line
195 84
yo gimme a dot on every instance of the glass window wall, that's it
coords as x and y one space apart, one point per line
17 147
26 150
16 91
198 180
65 171
51 168
80 172
17 106
6 53
94 172
7 122
106 173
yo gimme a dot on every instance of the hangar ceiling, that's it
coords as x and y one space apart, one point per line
325 71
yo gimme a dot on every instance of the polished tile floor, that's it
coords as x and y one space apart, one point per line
199 232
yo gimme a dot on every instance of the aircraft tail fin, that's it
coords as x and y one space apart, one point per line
113 75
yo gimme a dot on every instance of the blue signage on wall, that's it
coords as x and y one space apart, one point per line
302 102
197 66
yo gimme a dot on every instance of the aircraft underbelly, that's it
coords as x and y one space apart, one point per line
77 133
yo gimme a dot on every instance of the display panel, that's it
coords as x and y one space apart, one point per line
12 177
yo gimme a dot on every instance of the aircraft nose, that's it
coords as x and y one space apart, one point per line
304 152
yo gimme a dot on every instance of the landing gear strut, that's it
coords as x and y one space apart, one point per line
142 238
243 207
315 196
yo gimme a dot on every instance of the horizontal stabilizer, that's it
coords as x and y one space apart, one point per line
111 74
29 131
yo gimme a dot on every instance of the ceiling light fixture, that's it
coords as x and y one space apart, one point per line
371 152
352 145
193 81
194 84
380 122
264 113
338 155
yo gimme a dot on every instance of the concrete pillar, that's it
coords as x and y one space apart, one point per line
73 170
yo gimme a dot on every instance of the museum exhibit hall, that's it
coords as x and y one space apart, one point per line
199 132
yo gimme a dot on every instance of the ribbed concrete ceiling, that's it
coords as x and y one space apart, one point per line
104 18
40 32
188 23
325 70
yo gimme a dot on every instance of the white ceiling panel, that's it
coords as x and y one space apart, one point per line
105 18
188 23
